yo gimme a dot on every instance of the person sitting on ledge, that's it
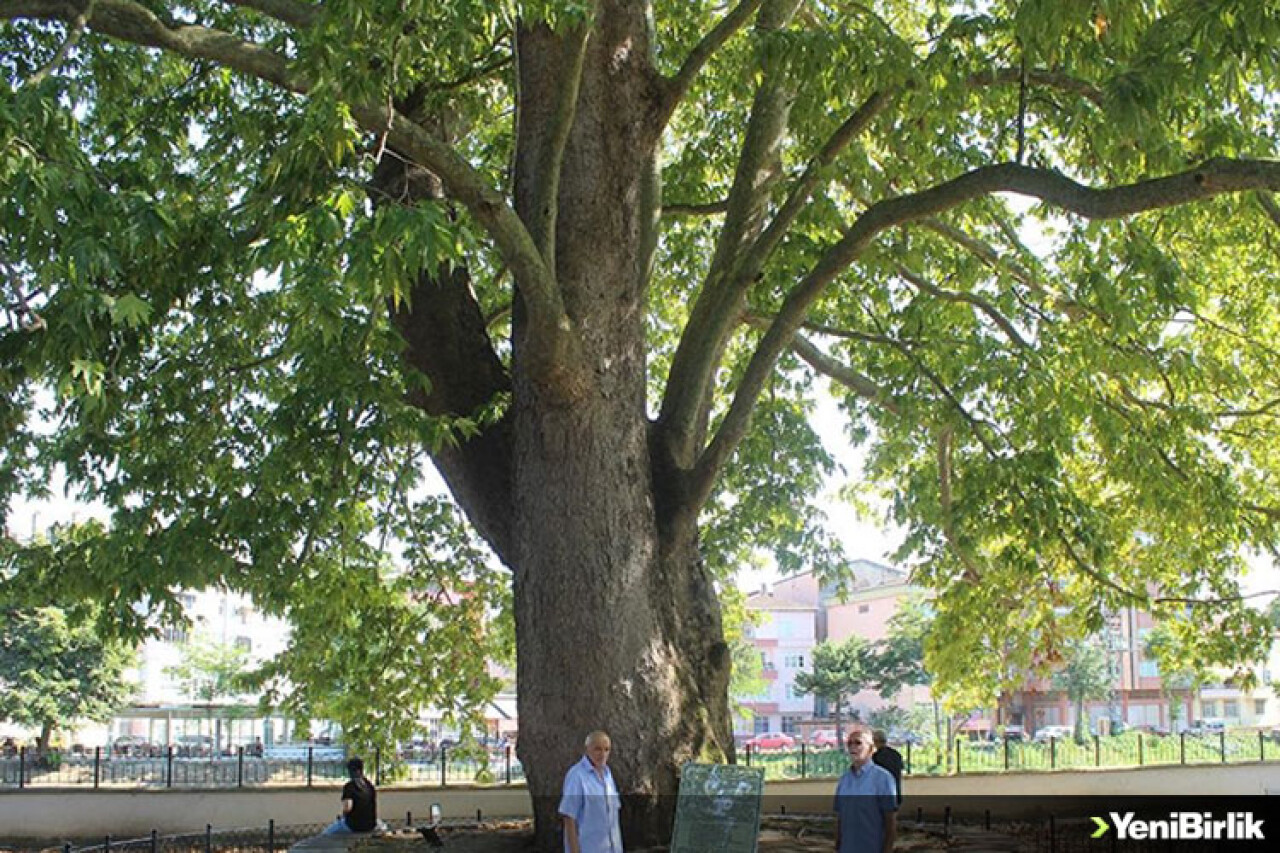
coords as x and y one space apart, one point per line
359 803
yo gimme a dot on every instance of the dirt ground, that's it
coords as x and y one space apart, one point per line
801 837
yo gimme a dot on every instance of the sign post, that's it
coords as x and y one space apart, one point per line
718 810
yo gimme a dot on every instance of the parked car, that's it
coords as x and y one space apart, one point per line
1015 733
1211 725
134 746
193 746
1046 733
771 740
824 739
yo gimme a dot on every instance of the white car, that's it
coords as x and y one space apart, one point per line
1046 733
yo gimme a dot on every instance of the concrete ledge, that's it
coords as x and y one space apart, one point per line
77 813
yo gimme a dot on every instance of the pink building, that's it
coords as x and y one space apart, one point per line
795 615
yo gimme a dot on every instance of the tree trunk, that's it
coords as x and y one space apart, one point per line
617 623
46 735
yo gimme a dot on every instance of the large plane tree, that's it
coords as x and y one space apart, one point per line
261 258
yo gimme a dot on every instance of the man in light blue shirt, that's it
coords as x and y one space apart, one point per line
866 800
589 805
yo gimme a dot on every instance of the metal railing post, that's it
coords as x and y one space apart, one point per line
1182 747
22 767
908 768
1141 755
1006 752
1222 745
508 759
444 766
168 764
240 767
959 751
155 842
310 764
1053 753
271 835
97 766
1097 751
802 761
748 755
377 765
208 838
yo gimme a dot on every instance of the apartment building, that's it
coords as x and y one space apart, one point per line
797 613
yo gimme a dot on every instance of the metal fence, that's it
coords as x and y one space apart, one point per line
100 769
1135 749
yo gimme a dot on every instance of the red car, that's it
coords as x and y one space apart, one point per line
771 740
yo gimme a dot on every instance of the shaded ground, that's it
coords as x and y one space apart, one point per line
798 835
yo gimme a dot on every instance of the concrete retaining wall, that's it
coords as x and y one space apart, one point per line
77 813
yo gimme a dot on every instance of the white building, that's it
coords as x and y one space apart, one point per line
785 630
165 711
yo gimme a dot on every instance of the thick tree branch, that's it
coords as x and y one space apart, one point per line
686 403
550 334
1212 178
713 208
132 22
677 86
551 145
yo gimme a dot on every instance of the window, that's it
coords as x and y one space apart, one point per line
1149 669
244 643
791 723
187 599
766 663
1230 708
1260 707
1209 708
173 634
793 661
760 725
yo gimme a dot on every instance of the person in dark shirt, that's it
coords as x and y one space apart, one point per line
888 758
359 803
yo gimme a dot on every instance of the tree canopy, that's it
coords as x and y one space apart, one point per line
840 671
261 259
57 672
1087 673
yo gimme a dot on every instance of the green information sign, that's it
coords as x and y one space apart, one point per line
719 809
